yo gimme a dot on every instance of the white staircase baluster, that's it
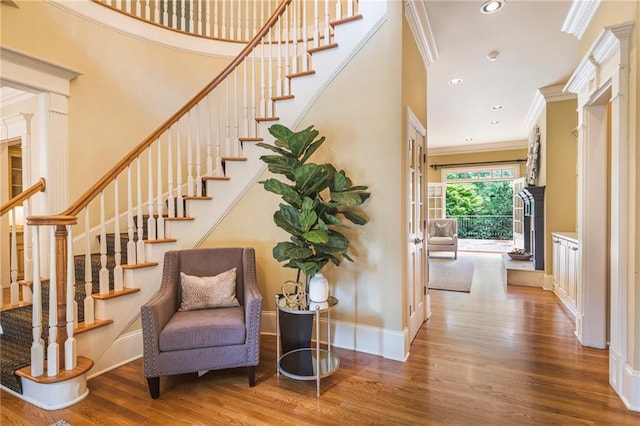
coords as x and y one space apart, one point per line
103 279
338 10
234 138
287 69
131 244
239 25
327 27
89 312
268 101
245 102
252 117
160 222
255 19
15 288
192 29
183 19
151 222
280 81
305 38
227 137
207 14
189 156
215 19
209 137
231 21
70 349
350 8
138 9
179 200
37 347
174 14
247 34
224 20
171 211
165 13
156 11
28 255
263 104
218 129
119 4
198 190
127 4
118 278
140 258
199 18
53 351
147 10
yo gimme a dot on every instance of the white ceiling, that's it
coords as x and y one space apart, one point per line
534 53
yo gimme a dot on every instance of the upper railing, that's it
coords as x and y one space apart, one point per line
229 20
149 186
484 227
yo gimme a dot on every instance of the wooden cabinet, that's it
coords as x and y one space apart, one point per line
565 268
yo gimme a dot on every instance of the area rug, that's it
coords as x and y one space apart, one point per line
450 274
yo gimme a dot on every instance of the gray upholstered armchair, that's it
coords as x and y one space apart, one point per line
443 236
179 340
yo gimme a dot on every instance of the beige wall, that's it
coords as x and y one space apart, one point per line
128 86
559 159
435 176
360 115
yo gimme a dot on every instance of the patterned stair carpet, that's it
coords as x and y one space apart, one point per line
15 343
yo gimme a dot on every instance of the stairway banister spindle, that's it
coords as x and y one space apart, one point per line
118 278
179 199
70 347
103 278
160 222
207 15
236 143
223 14
198 178
37 347
171 211
216 29
140 257
231 21
53 350
305 38
151 221
131 245
183 20
191 16
165 13
218 129
246 20
327 20
210 118
89 312
15 289
190 181
239 24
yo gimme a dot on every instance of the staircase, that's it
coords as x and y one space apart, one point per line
168 193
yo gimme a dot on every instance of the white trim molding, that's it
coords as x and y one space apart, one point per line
601 82
416 15
485 147
579 17
543 96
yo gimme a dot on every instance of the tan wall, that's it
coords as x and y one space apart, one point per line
128 86
560 162
349 113
635 100
435 176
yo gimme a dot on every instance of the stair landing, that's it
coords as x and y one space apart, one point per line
522 272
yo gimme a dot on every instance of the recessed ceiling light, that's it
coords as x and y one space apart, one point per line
492 6
455 81
496 107
493 55
468 139
494 122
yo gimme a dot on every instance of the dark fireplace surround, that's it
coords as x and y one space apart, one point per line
533 198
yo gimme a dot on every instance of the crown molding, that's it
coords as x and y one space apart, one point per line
579 17
416 15
543 96
602 49
484 147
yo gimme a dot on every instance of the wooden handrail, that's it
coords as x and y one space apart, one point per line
105 180
39 186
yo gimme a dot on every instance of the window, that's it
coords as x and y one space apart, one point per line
481 173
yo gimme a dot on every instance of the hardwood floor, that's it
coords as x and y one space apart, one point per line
491 357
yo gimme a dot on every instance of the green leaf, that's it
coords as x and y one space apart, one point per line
347 198
340 182
346 256
322 225
286 251
337 244
310 178
280 151
358 220
317 236
311 149
308 218
286 191
331 219
288 218
281 133
281 165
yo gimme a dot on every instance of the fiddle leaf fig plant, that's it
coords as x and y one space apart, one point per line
317 199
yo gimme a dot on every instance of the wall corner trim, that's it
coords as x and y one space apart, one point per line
418 20
579 17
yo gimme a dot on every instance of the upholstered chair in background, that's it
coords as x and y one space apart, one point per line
443 236
206 315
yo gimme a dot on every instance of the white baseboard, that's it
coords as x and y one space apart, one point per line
547 283
389 344
631 388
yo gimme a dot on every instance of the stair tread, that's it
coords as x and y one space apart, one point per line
83 327
84 365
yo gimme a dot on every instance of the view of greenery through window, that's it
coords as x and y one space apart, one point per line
484 209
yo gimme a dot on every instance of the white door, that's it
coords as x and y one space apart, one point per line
416 223
437 201
518 214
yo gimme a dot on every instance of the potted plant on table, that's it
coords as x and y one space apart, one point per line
317 200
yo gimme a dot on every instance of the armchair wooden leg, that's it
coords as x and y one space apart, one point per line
154 387
251 373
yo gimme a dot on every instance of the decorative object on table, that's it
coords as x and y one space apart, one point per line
317 198
533 157
318 288
519 254
294 294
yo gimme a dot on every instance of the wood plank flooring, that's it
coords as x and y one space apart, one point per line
491 357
